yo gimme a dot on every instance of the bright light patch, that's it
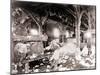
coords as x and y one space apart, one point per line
67 34
88 35
33 32
56 32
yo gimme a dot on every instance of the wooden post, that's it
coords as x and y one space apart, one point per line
26 67
78 23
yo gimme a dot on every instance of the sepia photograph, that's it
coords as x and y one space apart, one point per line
52 37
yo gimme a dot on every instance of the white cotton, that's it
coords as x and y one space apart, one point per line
47 70
33 56
48 66
36 70
62 69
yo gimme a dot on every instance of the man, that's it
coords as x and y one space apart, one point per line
44 38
